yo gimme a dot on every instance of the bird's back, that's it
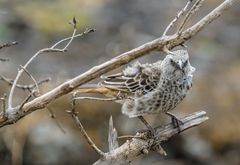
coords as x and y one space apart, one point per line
137 79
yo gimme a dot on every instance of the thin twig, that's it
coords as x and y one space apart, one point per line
179 14
31 76
10 99
26 99
74 22
53 116
196 6
8 44
87 31
74 32
83 131
24 87
90 142
4 59
51 49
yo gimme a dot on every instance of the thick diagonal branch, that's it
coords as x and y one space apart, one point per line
157 44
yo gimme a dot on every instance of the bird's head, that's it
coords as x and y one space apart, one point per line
177 65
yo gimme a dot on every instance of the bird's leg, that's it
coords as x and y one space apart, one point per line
157 146
176 122
149 127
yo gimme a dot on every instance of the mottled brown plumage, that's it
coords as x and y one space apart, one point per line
152 88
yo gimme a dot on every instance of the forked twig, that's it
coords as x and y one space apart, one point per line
87 31
196 6
31 76
179 14
26 99
51 49
74 23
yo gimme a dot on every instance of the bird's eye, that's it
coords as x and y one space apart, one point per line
173 63
185 63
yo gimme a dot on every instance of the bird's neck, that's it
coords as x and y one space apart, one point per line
178 79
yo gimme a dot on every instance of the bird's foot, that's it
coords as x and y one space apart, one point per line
151 133
175 121
148 133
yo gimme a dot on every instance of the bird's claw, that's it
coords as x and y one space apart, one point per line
147 133
175 121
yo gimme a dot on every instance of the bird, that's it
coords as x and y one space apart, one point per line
153 88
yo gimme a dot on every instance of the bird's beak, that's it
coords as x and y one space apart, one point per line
180 64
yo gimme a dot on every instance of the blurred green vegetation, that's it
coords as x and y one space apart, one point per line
49 17
51 20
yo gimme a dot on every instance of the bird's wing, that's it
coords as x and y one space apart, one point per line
138 77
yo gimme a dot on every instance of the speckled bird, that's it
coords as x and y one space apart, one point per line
152 88
149 88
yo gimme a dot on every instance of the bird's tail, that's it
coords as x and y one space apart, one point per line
129 108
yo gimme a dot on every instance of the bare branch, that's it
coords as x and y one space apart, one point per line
31 76
4 59
158 44
45 50
74 22
179 14
136 147
9 44
53 116
196 6
87 31
25 87
26 99
83 131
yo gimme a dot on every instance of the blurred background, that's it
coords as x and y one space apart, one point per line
121 26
